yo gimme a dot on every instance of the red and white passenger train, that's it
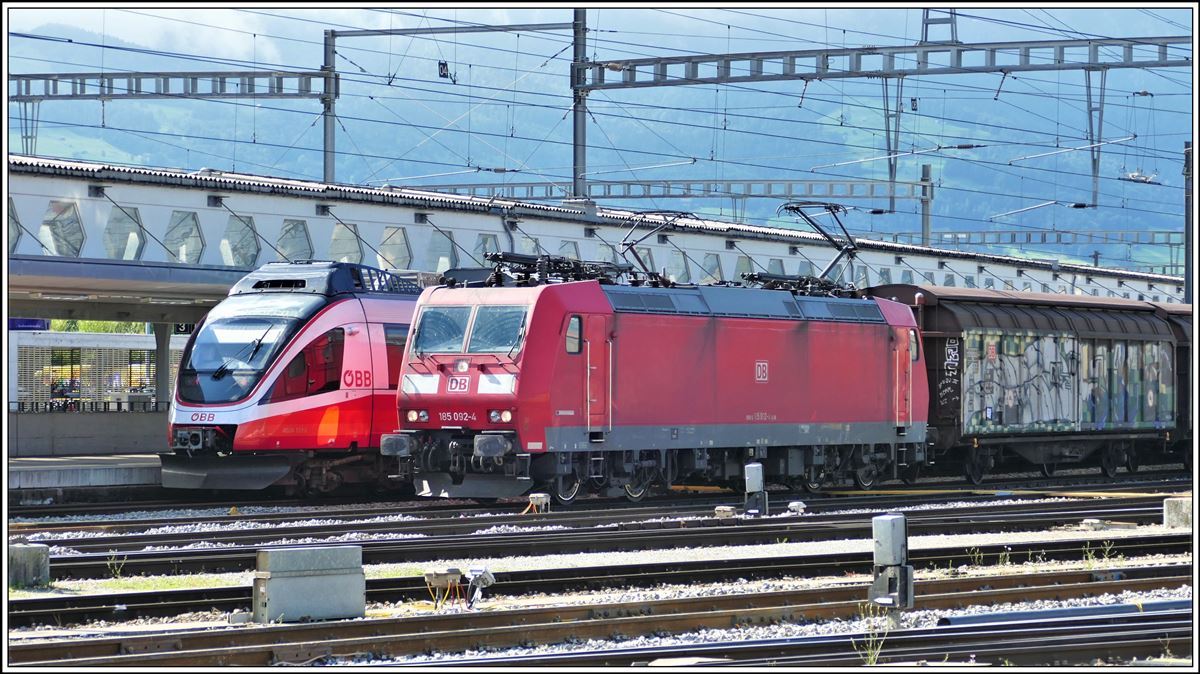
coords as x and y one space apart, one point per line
291 380
547 375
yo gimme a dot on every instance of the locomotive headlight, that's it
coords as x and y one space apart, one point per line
462 365
412 415
494 416
423 416
506 416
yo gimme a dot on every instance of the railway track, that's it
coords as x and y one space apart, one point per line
109 538
59 609
1147 479
452 632
1035 642
676 507
100 556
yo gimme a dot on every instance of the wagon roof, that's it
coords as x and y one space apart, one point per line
953 310
904 292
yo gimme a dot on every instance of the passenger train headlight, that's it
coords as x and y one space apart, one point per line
506 416
412 415
423 416
494 416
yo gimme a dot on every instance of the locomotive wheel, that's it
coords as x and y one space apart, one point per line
636 492
1131 461
810 485
864 478
1048 468
1109 461
866 474
565 488
975 468
639 485
911 473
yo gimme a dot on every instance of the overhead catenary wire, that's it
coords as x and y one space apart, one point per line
793 121
973 220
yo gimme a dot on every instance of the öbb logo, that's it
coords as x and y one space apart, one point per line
357 379
203 416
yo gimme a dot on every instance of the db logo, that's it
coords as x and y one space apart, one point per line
357 379
203 416
458 384
760 370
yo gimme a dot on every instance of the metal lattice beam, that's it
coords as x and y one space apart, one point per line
901 61
1028 236
663 189
214 84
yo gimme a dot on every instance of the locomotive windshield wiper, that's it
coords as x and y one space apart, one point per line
223 369
520 335
416 340
258 343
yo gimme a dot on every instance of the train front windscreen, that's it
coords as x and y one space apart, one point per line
495 329
237 342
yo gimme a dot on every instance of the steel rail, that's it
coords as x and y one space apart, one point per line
1146 478
685 533
662 507
496 629
125 606
1030 642
626 520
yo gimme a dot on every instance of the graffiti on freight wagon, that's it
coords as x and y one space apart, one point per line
1019 381
1025 382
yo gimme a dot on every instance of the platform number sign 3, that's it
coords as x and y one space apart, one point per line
458 384
760 370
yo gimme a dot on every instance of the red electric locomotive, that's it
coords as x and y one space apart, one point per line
583 385
291 380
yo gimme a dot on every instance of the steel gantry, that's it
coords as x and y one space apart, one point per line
924 59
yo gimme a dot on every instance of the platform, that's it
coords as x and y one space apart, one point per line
91 479
47 472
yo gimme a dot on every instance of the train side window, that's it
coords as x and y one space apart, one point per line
574 335
325 362
316 369
295 381
394 337
914 345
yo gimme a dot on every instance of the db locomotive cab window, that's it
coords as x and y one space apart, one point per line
914 349
483 329
497 329
574 330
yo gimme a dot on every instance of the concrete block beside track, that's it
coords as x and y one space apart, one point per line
303 584
28 564
1177 512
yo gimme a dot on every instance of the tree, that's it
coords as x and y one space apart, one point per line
112 327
